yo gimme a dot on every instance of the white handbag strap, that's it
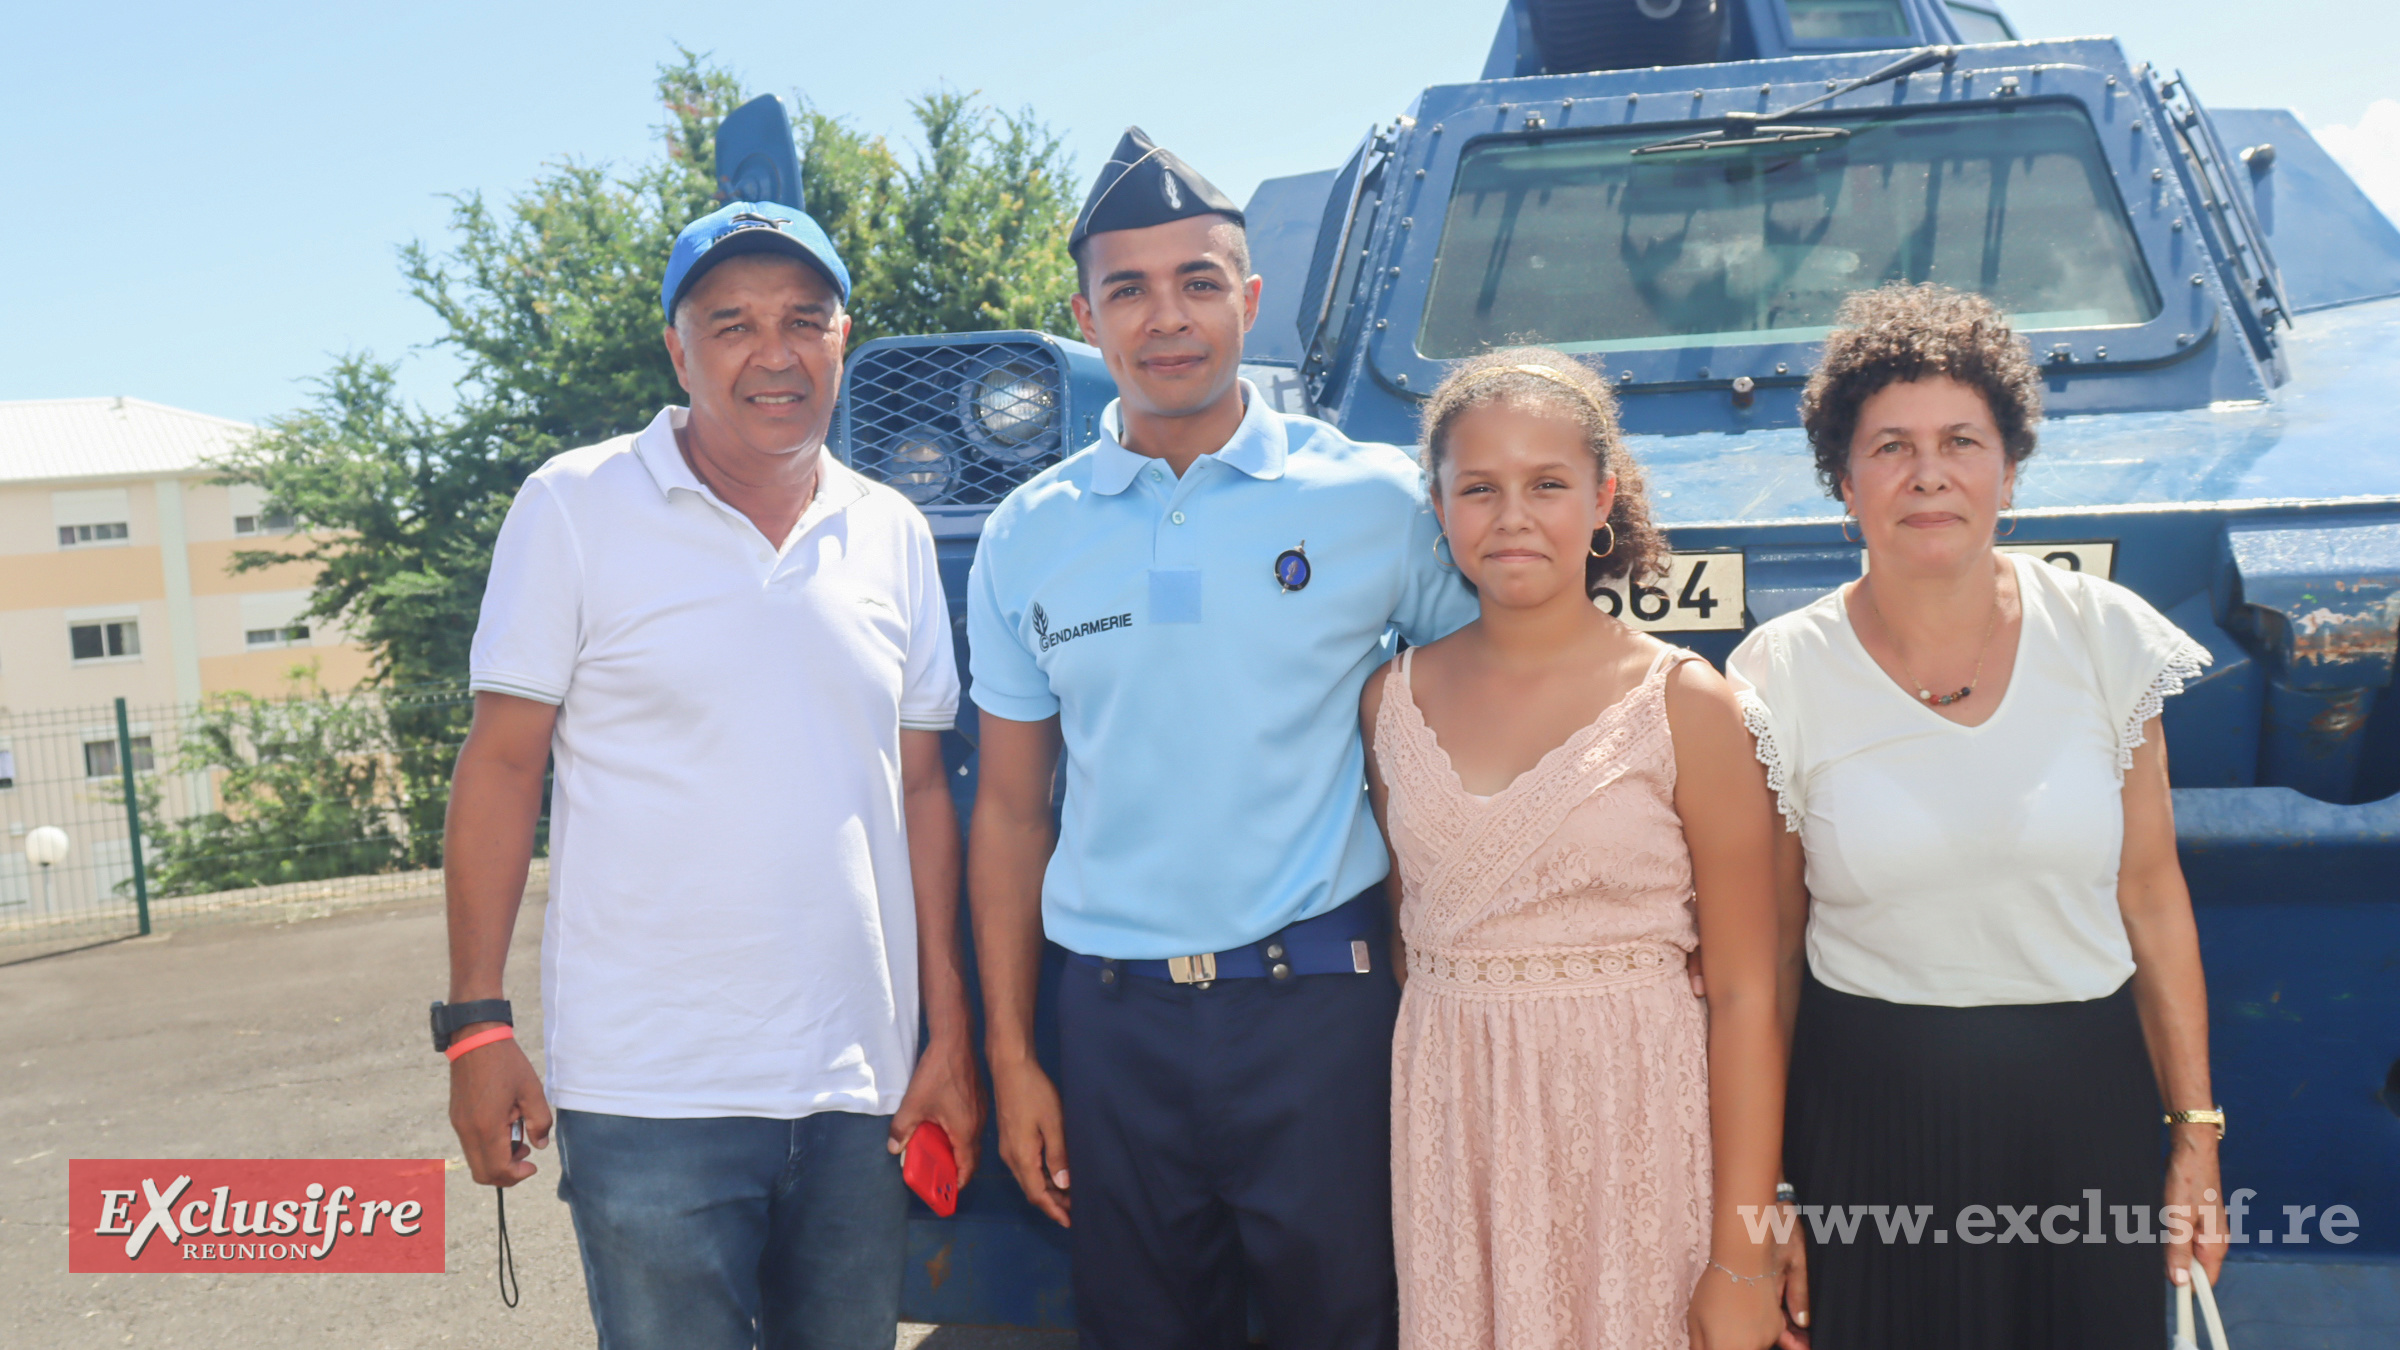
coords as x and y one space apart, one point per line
2184 1339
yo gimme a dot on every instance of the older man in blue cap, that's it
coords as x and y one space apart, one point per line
1188 608
736 653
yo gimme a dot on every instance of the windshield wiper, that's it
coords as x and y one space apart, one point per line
1763 135
1746 128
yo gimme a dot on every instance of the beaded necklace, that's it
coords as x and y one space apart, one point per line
1991 626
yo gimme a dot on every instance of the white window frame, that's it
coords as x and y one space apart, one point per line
137 737
132 623
102 534
81 515
275 619
295 634
251 518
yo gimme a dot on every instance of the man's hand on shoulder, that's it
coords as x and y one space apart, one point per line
491 1086
946 1090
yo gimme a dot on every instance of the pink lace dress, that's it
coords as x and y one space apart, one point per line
1550 1149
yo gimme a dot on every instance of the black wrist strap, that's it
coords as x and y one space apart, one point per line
449 1017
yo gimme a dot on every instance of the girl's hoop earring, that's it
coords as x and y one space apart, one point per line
1846 528
1611 527
1438 541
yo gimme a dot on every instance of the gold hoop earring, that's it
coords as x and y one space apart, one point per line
1438 541
1611 527
2011 509
1846 518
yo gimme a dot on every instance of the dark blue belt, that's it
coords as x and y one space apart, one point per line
1349 939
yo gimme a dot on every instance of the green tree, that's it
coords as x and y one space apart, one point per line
307 787
978 234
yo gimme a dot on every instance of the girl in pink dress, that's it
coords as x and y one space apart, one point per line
1572 806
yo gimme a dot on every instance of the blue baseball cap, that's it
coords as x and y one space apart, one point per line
737 228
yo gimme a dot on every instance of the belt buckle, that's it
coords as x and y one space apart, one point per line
1200 970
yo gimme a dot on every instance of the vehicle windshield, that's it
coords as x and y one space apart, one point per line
1576 242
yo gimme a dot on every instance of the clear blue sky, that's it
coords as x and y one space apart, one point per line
203 201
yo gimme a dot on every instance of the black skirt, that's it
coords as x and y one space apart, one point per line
1931 1112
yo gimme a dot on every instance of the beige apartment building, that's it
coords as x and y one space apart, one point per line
114 555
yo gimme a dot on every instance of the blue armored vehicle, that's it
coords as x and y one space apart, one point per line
1681 192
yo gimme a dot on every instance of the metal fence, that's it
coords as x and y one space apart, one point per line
119 817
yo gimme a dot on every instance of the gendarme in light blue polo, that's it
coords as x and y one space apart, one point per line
1215 775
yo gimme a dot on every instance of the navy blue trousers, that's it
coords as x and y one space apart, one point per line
1231 1147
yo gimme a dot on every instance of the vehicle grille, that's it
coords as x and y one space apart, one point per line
955 423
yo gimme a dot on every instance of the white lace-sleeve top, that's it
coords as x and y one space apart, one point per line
1964 866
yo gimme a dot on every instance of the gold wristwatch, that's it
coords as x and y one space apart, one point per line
2214 1117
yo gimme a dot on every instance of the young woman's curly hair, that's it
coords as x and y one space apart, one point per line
1899 333
1537 379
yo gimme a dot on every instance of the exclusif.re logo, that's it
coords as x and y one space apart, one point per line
250 1214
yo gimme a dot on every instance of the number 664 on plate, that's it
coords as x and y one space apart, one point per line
1700 591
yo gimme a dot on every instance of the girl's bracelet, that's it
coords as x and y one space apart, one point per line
1751 1280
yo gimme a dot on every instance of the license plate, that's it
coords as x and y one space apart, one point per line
2098 557
1700 592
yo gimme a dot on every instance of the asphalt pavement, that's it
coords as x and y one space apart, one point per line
274 1040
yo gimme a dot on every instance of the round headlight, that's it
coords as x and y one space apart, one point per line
917 466
1010 408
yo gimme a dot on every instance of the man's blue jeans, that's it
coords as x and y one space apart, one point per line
732 1232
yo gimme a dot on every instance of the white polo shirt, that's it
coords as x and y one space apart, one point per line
731 929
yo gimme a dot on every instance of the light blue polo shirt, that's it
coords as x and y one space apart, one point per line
1215 775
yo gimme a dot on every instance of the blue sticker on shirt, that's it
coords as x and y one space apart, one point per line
1174 595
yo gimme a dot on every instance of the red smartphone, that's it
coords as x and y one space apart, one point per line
931 1169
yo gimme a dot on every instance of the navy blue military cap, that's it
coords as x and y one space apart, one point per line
737 228
1142 185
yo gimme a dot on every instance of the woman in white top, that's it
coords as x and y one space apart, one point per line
2003 978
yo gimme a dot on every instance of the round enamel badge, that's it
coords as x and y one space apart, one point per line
1291 567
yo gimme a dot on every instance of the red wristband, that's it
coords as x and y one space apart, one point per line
479 1040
